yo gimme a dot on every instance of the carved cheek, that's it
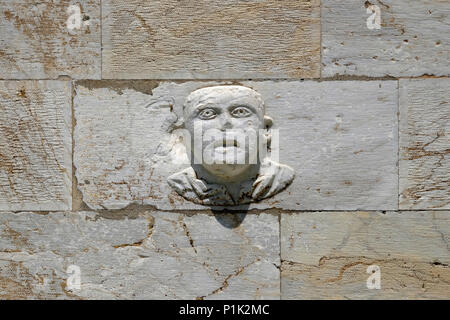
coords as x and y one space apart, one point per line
254 123
209 124
209 131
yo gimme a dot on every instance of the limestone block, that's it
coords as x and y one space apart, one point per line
340 137
411 40
150 255
327 254
211 39
35 145
112 150
424 144
46 39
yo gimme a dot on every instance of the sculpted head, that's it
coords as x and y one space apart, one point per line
223 122
228 148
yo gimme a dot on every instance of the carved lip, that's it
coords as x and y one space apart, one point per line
226 143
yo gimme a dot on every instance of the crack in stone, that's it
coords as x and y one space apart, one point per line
151 222
227 278
188 234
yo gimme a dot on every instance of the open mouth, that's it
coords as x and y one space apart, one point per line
226 143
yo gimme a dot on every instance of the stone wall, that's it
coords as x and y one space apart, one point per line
91 91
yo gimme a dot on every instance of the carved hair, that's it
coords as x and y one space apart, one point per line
200 94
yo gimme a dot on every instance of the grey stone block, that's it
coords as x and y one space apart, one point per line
152 255
211 39
411 40
36 42
424 144
35 145
339 136
325 255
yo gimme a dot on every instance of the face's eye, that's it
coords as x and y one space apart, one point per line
207 114
241 112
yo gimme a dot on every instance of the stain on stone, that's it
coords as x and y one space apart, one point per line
143 86
22 93
15 282
367 4
8 15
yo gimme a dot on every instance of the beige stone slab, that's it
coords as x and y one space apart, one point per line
339 136
211 39
424 144
152 255
412 39
326 255
36 42
332 133
35 145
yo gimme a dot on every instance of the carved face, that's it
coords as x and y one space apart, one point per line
224 122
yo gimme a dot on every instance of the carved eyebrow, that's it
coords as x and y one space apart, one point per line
204 106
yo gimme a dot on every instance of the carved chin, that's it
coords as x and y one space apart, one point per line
227 171
220 155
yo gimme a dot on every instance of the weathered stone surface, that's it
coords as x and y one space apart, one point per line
211 39
35 145
412 40
153 255
424 144
37 44
340 137
326 255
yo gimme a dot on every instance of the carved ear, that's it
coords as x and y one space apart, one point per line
268 122
180 123
175 123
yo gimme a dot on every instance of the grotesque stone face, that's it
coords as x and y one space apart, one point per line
227 127
224 122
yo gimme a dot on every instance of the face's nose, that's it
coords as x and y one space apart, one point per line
226 121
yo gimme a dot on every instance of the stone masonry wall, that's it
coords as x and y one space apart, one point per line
90 91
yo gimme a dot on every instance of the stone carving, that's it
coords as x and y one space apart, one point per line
228 163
